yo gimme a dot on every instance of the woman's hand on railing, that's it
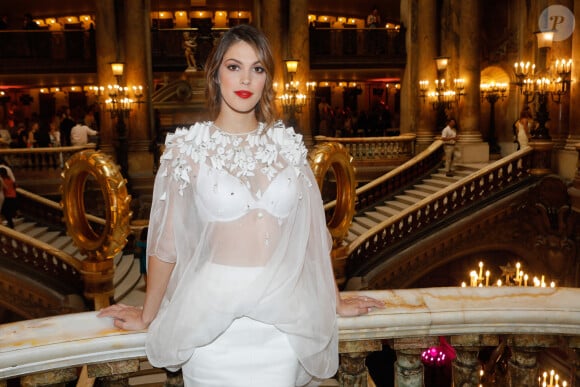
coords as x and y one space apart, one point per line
351 306
125 317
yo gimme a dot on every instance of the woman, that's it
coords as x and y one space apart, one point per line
240 289
523 125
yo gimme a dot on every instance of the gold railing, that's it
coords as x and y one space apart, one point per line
516 324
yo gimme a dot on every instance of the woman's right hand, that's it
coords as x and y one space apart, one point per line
125 316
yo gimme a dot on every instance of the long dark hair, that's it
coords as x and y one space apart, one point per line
265 111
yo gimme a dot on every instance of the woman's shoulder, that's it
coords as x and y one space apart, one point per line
187 134
291 143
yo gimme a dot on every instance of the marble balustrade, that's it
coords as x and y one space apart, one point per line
529 319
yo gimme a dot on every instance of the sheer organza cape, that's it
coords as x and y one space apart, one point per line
242 200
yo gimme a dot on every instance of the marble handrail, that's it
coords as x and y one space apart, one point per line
77 339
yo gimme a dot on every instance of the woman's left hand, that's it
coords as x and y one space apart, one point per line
357 305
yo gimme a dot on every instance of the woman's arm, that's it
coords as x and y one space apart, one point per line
135 318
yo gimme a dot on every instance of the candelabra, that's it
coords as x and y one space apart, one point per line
443 96
492 92
543 85
120 102
292 100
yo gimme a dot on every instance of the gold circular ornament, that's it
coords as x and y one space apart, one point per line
78 168
334 155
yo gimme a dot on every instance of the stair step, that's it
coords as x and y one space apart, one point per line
24 227
37 232
387 211
438 183
129 281
377 216
365 221
61 242
417 193
396 205
122 268
49 237
426 188
357 229
407 199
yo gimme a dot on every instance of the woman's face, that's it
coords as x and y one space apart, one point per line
241 78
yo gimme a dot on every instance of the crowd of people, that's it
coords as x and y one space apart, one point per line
62 129
344 122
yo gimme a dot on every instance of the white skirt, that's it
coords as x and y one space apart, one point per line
248 354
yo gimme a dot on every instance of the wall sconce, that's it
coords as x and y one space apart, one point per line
292 100
444 95
539 86
121 101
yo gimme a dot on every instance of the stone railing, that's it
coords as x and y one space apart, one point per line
449 201
371 156
382 151
40 159
522 322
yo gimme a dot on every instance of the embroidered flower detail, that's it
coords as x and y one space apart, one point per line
266 152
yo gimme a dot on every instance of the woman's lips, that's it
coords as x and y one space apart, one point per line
244 94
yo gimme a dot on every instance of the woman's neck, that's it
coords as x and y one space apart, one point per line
239 124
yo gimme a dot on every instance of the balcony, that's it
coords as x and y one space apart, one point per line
74 51
517 324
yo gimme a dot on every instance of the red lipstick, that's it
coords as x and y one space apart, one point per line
243 93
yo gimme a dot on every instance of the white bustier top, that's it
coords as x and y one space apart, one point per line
230 199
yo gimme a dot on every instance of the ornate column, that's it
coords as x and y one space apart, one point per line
523 364
422 43
353 370
138 59
409 371
466 366
469 109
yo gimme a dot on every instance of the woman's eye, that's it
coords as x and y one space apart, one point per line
233 67
259 69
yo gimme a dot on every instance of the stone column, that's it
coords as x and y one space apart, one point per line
422 42
137 72
466 366
523 364
106 51
567 158
298 36
409 370
353 370
270 21
469 109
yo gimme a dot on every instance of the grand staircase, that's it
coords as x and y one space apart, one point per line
367 219
129 286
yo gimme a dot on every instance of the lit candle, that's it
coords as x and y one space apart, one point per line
487 278
499 283
518 271
525 280
480 270
551 376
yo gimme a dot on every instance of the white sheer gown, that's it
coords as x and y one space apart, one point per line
242 218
